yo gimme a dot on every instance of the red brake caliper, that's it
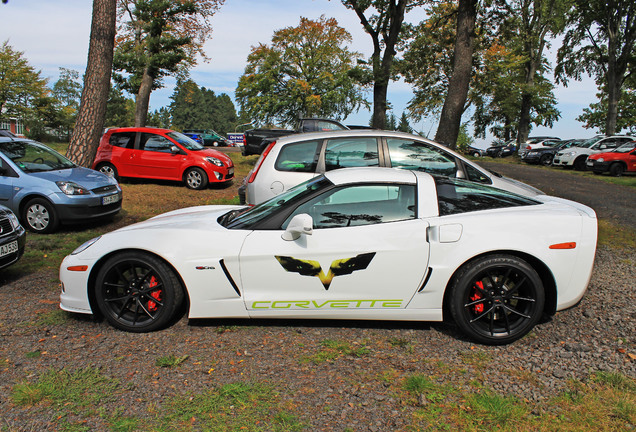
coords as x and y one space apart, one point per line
478 308
152 306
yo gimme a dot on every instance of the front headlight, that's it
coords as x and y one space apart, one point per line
85 246
214 161
14 220
71 188
599 160
572 153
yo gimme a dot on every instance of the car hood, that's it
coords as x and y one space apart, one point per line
84 177
187 218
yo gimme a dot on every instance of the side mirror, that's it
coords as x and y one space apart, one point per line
174 149
300 224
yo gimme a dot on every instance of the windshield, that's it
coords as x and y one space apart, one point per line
31 156
185 141
245 218
626 148
589 142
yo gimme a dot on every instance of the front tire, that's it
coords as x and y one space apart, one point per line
497 299
616 169
137 292
546 160
39 216
579 164
196 178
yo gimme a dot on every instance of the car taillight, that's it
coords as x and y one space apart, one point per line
529 148
260 162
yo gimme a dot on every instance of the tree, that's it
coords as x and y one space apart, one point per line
195 107
451 115
532 21
92 111
596 115
600 41
403 125
157 38
20 83
385 27
67 92
305 72
120 110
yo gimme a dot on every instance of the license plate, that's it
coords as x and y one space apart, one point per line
111 199
590 163
9 248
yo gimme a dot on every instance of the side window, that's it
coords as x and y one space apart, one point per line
351 152
123 139
6 170
156 143
420 156
299 157
473 174
357 205
461 197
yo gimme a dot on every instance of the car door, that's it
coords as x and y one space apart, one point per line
367 254
156 159
7 176
294 164
123 153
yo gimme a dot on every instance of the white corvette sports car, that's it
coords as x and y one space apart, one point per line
358 243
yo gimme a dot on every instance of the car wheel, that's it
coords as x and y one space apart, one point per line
108 169
546 160
215 144
579 164
39 216
196 178
137 292
616 169
476 154
497 299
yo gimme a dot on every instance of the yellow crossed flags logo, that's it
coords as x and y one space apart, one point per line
339 267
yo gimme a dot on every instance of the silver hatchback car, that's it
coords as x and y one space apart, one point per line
296 158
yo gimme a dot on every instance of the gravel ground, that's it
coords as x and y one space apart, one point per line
349 392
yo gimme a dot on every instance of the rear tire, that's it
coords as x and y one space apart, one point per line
579 163
108 169
497 299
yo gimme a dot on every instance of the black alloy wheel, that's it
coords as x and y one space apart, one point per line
546 159
497 299
616 169
138 292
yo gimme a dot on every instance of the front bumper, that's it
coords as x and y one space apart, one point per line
20 236
563 160
81 209
598 167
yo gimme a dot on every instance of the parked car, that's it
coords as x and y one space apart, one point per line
617 162
296 158
7 134
475 151
502 149
576 156
544 155
207 137
45 189
365 243
538 144
537 141
161 154
12 237
257 140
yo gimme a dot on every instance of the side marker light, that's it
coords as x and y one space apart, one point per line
567 245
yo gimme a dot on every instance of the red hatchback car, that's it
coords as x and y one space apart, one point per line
616 162
163 154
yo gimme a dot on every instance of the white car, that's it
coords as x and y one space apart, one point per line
576 156
294 159
368 243
536 144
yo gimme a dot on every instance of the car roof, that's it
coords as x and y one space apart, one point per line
371 175
139 129
351 133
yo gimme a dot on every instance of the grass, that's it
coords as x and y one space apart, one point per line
72 397
170 361
332 350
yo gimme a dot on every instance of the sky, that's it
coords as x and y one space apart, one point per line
53 36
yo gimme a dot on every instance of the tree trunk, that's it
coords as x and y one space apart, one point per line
613 88
451 116
92 111
526 103
142 101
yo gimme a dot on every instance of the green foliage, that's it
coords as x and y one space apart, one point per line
595 116
170 360
305 72
463 138
20 84
120 110
195 107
